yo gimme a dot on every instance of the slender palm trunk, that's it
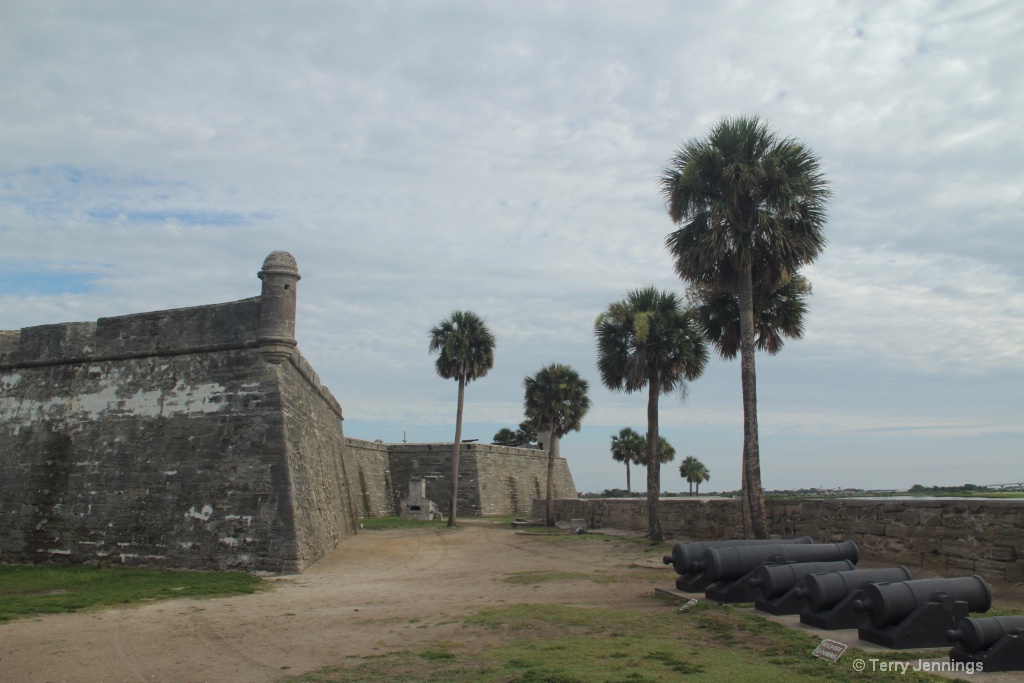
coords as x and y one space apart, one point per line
552 454
653 462
755 522
691 488
455 451
629 491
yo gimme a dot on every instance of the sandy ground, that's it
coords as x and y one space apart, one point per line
380 591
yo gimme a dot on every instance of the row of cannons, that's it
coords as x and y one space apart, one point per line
888 607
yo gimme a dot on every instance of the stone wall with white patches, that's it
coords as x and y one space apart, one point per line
166 438
201 438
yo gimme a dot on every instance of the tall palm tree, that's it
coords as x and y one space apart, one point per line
649 340
750 205
555 399
628 447
465 349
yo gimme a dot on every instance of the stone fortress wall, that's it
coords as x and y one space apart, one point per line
201 438
954 537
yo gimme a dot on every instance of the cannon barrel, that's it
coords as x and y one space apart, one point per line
975 635
687 558
776 579
728 564
825 591
890 603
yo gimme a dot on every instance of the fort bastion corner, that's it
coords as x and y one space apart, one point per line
202 438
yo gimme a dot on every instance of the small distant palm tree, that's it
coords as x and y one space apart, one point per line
628 447
465 349
694 471
751 208
700 475
649 340
556 400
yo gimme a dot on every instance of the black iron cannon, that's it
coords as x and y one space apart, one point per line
731 568
919 613
829 598
991 644
778 583
688 559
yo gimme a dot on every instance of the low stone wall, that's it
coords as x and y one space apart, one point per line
493 480
369 468
983 537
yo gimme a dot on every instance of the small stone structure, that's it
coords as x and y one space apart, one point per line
416 505
201 438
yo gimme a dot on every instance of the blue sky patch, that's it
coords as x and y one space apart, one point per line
28 282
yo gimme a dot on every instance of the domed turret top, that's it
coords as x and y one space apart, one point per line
280 262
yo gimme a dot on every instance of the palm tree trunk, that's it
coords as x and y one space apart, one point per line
552 454
755 523
653 462
691 488
629 491
455 451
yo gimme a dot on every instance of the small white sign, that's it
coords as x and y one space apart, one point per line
830 649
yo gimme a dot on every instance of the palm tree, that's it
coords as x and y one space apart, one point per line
700 475
465 352
666 451
628 447
686 467
751 207
649 340
555 399
694 471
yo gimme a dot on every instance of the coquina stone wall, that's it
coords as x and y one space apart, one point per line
370 466
954 537
195 438
201 438
493 480
165 438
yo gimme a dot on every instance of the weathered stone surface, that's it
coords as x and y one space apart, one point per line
201 438
962 536
493 480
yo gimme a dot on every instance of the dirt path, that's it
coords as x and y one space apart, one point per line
380 591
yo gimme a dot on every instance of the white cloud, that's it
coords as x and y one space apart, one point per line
422 157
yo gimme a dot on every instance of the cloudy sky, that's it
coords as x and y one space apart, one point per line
421 157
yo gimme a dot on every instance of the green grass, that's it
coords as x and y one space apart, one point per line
573 644
533 578
28 590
